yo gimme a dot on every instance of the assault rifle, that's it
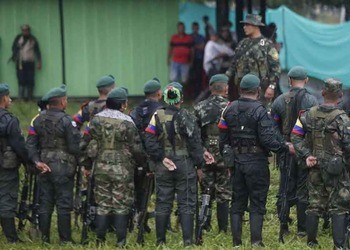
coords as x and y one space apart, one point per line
23 205
34 206
143 216
203 216
283 213
88 208
77 197
347 233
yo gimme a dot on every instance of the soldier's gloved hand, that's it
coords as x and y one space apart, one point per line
42 167
208 157
311 161
291 148
169 164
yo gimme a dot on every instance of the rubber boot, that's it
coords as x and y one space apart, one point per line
121 225
187 224
9 229
301 219
44 226
64 228
311 229
222 215
101 223
256 224
162 221
338 230
236 228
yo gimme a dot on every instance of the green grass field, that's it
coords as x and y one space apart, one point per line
212 240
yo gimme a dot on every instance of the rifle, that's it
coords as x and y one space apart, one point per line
88 209
283 214
347 233
203 216
23 205
149 182
34 231
77 197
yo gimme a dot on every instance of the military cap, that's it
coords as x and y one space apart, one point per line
151 87
156 79
44 98
218 78
56 92
297 73
4 89
176 85
172 93
118 93
105 81
333 85
253 19
249 81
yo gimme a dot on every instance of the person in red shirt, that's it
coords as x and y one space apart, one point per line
180 54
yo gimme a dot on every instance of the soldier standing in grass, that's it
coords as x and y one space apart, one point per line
53 145
12 153
247 128
285 111
321 137
115 148
216 177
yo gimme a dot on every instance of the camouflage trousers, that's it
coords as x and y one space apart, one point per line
218 180
327 192
114 189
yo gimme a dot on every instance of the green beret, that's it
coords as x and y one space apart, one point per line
44 98
249 81
118 93
297 73
105 81
56 92
333 85
222 78
176 85
4 89
151 87
156 79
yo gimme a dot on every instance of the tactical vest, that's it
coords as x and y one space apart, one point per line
209 123
50 139
324 145
170 137
244 129
292 100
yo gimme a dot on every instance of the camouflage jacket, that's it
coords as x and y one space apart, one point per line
114 140
257 56
208 113
322 131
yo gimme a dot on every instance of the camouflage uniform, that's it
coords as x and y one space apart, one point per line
115 146
174 134
285 110
216 176
257 56
324 132
12 153
247 128
54 139
88 110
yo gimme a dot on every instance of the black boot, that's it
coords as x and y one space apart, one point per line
236 228
162 221
101 225
64 228
44 226
222 215
187 223
311 229
256 224
338 230
301 218
121 226
9 229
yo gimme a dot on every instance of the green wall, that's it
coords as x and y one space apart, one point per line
125 38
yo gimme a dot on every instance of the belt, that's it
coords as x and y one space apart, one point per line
248 150
180 152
